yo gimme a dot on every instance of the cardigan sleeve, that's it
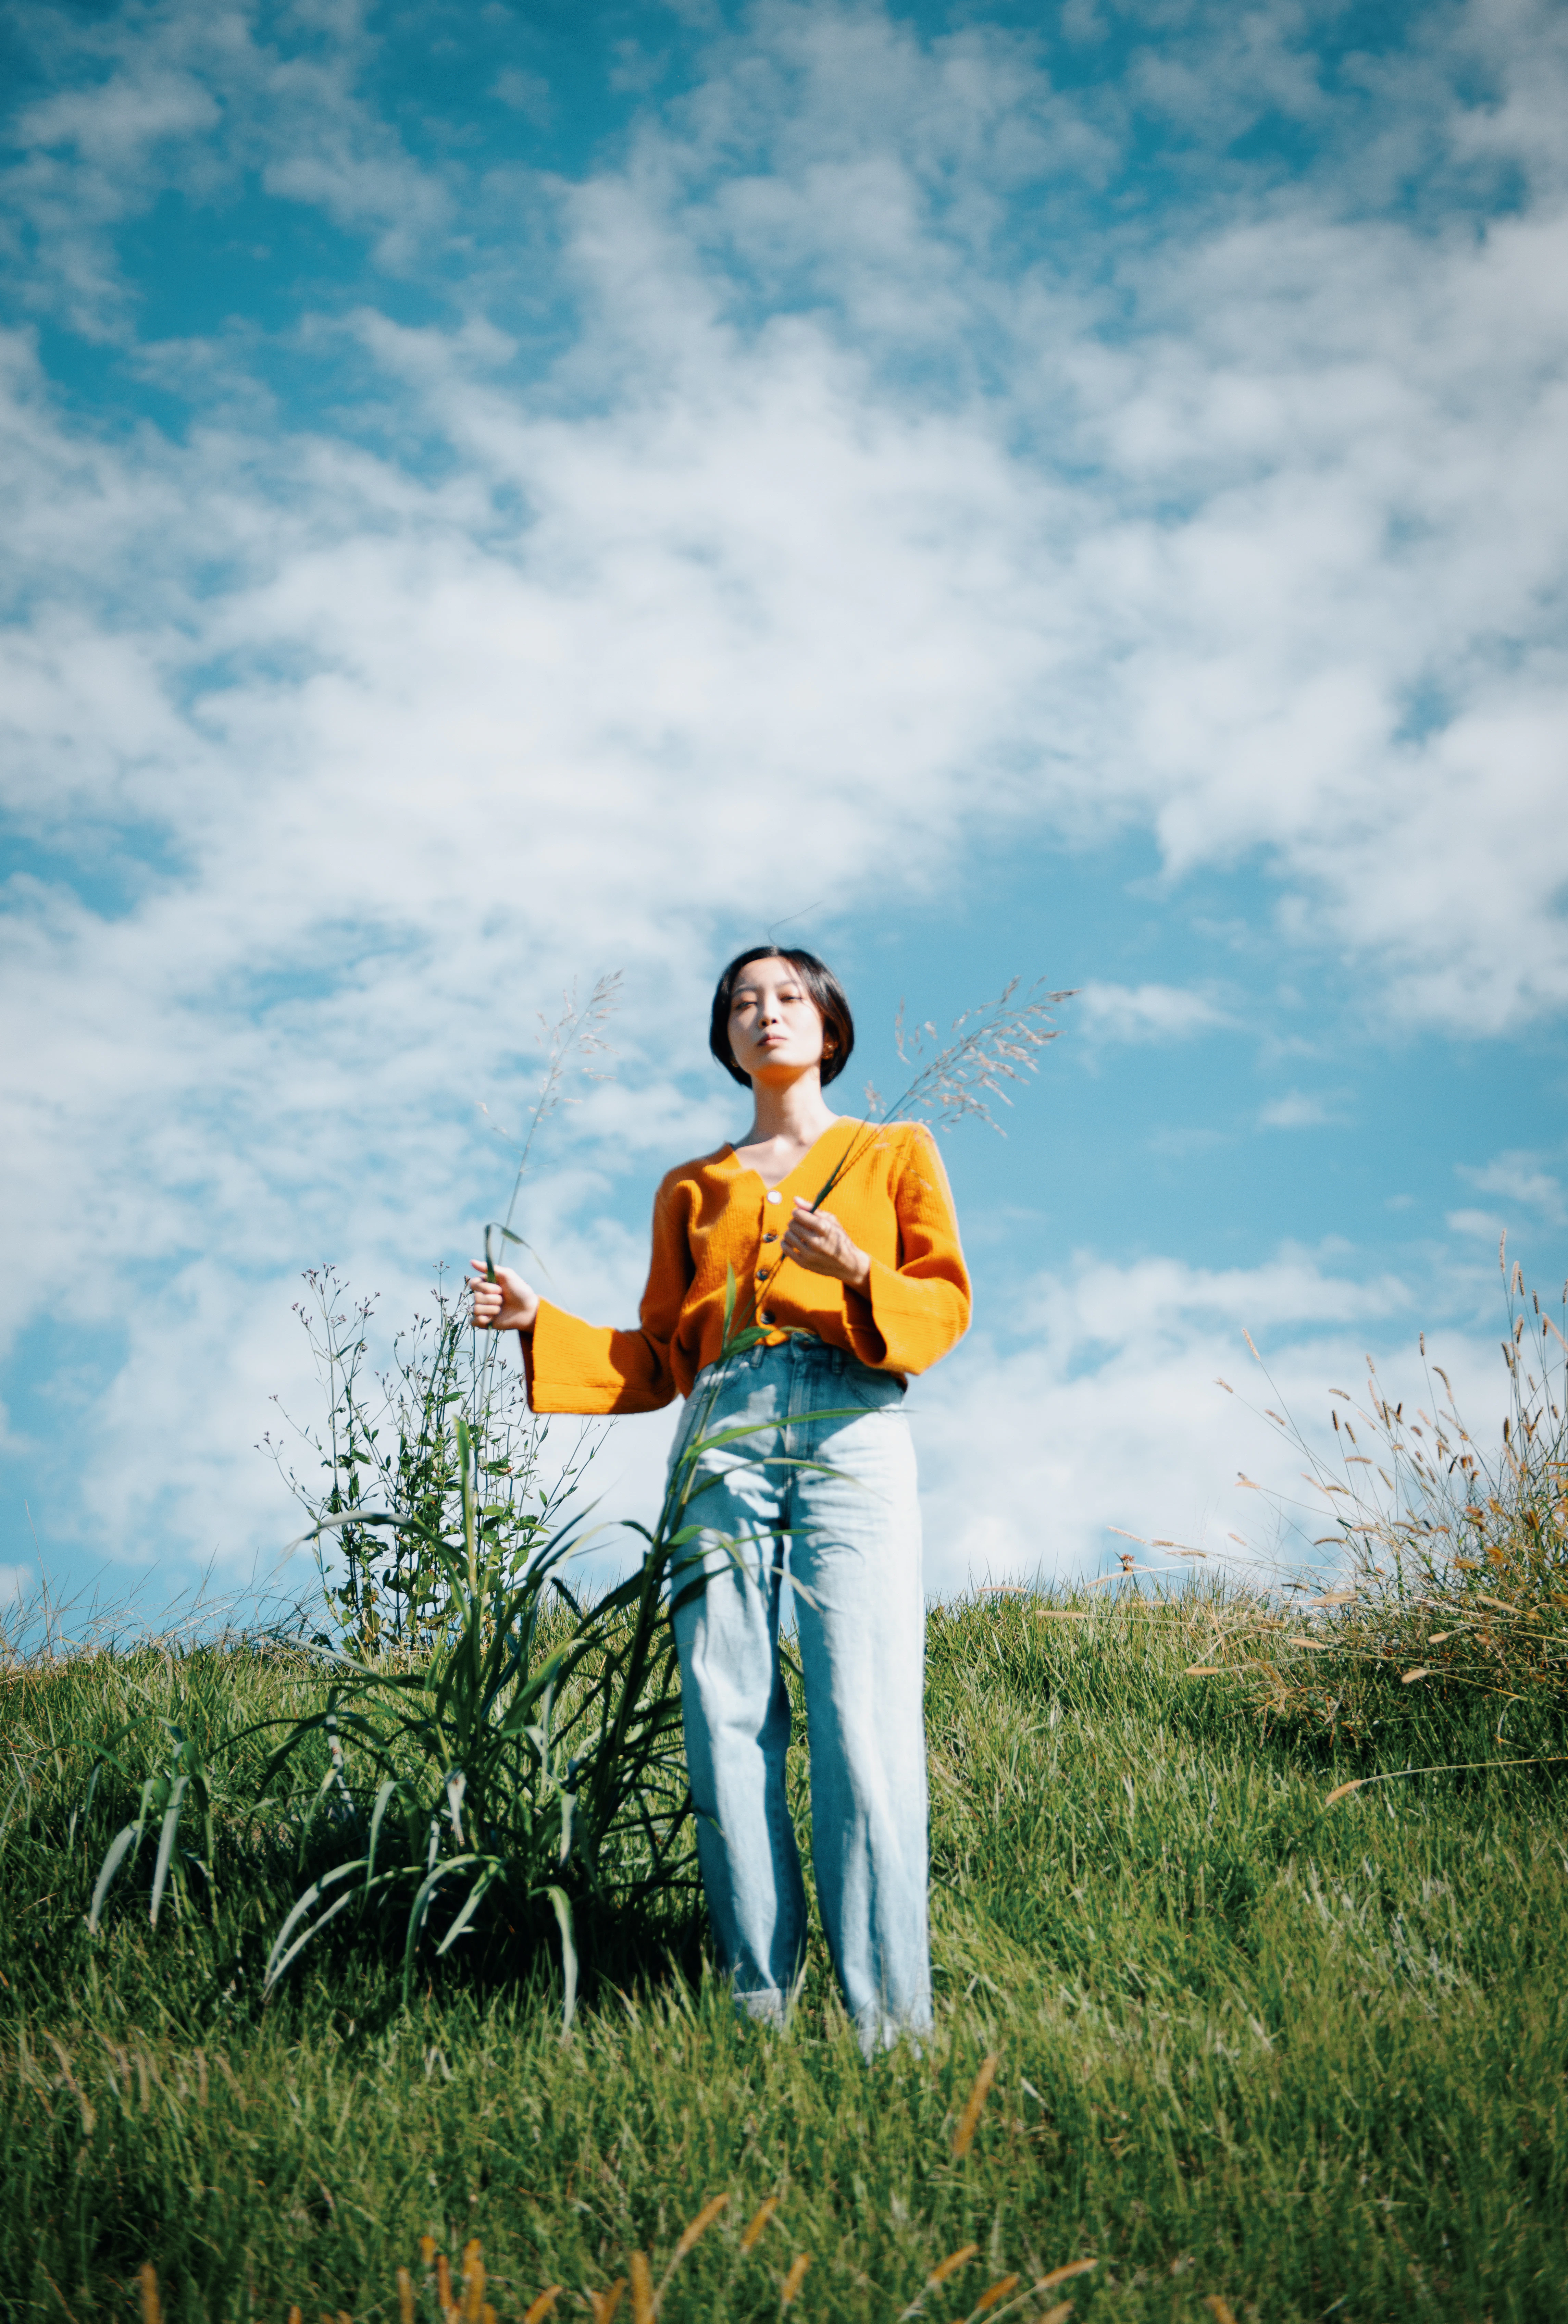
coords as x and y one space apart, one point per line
592 1368
911 1314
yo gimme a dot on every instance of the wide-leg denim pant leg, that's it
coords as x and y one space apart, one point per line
826 1475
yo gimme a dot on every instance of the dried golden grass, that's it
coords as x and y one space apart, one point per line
689 2234
642 2308
1455 1576
793 2281
997 2301
963 2137
758 2222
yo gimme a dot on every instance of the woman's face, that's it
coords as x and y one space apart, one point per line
775 1026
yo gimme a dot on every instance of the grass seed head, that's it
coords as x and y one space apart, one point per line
604 2303
758 2221
695 2228
540 2308
794 2279
473 2283
1066 2274
405 2297
967 2120
952 2264
995 2291
643 2306
151 2306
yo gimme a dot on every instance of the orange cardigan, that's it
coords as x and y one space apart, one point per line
711 1215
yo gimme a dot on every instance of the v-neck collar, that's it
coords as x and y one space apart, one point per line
749 1170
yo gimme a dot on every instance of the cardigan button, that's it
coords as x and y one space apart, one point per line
764 1317
774 1196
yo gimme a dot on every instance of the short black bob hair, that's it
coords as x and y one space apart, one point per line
821 984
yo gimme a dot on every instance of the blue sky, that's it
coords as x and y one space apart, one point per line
496 494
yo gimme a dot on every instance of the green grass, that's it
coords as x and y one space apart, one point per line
1309 2060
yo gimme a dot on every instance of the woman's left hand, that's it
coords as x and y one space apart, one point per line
815 1240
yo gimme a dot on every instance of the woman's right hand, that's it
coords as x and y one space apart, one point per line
506 1304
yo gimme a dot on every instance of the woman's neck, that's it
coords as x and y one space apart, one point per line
794 1113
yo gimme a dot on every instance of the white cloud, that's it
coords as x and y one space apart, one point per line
1475 1223
1311 482
525 93
1110 1415
1520 1178
1297 1110
831 534
189 96
1146 1013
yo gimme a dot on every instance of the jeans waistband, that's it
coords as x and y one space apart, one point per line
801 1347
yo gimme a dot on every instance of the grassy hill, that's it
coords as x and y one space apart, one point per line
1255 2054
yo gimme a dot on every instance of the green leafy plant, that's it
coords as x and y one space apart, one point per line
390 1441
530 1757
183 1779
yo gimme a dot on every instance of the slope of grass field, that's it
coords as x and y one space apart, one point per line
1255 2052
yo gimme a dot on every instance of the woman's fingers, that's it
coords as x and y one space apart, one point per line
506 1304
828 1252
822 1237
488 1296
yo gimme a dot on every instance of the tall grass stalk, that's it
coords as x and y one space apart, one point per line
989 1048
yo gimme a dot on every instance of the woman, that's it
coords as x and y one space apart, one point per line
851 1300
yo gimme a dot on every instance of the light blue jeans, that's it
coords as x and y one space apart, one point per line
826 1478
